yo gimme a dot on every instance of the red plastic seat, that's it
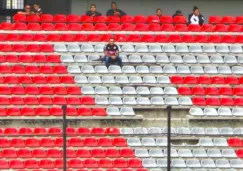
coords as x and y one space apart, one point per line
98 153
24 153
218 80
74 27
54 130
76 142
67 80
16 101
16 164
6 26
46 164
207 28
101 27
4 164
25 80
167 27
220 28
135 163
198 91
181 27
147 38
53 58
166 19
12 37
141 27
239 39
18 142
55 111
238 101
47 142
120 142
90 163
105 163
112 153
114 27
227 91
39 80
31 164
239 153
235 142
99 112
32 142
87 19
176 80
113 19
32 48
100 19
180 19
83 131
34 26
40 130
239 19
214 39
194 27
199 101
33 18
45 101
75 163
61 27
127 153
228 39
93 38
54 153
201 39
134 38
19 48
46 48
214 19
83 153
9 153
5 69
90 142
153 19
225 101
184 91
72 112
234 28
211 101
46 18
47 27
212 91
5 90
154 27
59 18
25 131
18 90
106 37
121 38
40 37
86 100
12 80
188 38
71 154
97 131
88 27
231 80
228 19
26 37
31 101
13 112
238 91
19 18
127 19
53 37
4 143
6 48
19 26
105 142
120 163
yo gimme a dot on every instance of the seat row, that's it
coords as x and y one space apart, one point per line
161 58
31 69
214 101
72 163
224 111
27 48
167 69
44 100
58 142
194 163
188 153
143 48
30 58
57 111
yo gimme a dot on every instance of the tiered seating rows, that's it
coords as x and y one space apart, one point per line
224 111
27 48
30 58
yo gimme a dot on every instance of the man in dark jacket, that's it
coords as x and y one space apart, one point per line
114 11
196 17
93 11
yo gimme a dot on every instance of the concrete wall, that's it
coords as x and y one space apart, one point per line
147 7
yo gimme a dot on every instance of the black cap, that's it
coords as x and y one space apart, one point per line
178 12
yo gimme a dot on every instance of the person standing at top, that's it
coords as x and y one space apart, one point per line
27 10
38 10
93 11
114 11
159 12
196 17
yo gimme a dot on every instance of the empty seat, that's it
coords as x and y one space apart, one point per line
149 163
185 153
168 48
142 48
60 48
222 49
134 142
199 152
194 163
195 48
87 48
205 142
207 163
75 48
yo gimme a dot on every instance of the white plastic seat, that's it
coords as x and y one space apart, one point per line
162 163
128 69
156 153
155 69
162 59
154 130
88 69
143 90
224 70
187 170
163 80
228 153
140 130
220 142
80 58
173 153
127 111
237 112
185 153
237 70
88 90
143 101
197 70
222 163
199 152
226 131
115 101
194 48
224 111
129 101
142 69
156 91
124 58
113 111
141 48
236 163
194 163
157 100
101 100
149 80
216 59
210 70
126 131
141 153
101 69
208 48
189 59
207 142
173 130
134 142
169 69
240 59
135 59
238 131
73 69
115 90
170 91
67 58
161 142
236 48
93 58
101 90
122 79
182 48
149 163
214 153
148 59
148 142
171 101
176 59
114 69
182 69
210 112
195 111
127 48
178 163
197 130
99 48
75 48
60 48
108 80
129 90
155 48
87 48
212 131
207 163
80 79
203 59
168 48
222 49
183 130
230 59
135 80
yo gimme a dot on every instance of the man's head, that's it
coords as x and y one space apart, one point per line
196 11
178 12
111 41
158 12
36 6
27 8
93 7
113 6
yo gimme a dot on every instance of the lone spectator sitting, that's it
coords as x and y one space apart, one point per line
27 10
111 51
93 11
114 11
38 10
159 12
177 13
196 17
